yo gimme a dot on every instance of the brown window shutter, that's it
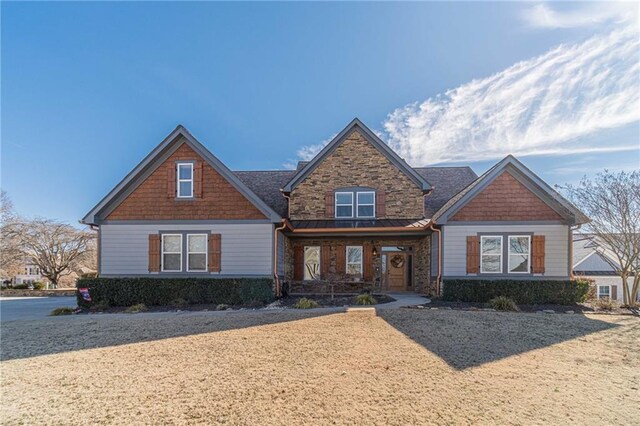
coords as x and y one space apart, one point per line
367 262
197 176
215 252
154 253
325 260
473 254
614 292
298 263
341 259
537 254
380 204
329 204
171 181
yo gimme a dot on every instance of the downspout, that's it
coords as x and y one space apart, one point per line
275 257
439 276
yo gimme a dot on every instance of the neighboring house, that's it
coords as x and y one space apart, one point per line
594 264
355 217
30 274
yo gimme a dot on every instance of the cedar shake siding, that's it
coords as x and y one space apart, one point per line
218 200
356 163
506 199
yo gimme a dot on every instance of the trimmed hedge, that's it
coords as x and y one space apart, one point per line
522 292
164 291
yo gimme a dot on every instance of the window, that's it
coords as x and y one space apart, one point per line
197 252
185 180
354 260
490 254
344 204
604 292
172 252
519 254
311 263
366 203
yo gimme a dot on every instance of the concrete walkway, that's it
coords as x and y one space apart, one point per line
404 299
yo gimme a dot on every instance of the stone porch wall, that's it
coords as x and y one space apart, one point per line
422 282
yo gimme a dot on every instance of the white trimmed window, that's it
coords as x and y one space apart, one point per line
604 292
519 257
366 201
197 252
491 254
171 252
185 180
354 260
311 263
344 204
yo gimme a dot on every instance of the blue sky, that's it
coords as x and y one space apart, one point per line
88 89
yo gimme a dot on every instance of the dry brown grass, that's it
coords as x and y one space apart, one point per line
402 367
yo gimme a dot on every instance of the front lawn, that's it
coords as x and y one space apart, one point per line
399 366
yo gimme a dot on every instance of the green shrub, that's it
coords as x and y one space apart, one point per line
140 307
222 307
502 303
522 292
163 291
38 286
365 299
21 286
61 311
102 305
305 303
180 303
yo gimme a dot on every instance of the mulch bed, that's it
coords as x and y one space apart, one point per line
579 308
16 292
327 302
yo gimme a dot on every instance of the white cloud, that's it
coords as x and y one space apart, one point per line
580 14
540 106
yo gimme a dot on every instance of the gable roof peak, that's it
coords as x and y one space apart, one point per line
372 138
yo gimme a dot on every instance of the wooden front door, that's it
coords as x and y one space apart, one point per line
396 271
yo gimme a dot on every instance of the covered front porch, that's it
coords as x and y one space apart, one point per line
376 256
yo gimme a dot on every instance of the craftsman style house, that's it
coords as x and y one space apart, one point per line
355 217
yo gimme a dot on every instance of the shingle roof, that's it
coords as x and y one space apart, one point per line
266 185
447 182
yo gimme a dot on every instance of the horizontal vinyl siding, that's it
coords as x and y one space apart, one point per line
246 248
556 246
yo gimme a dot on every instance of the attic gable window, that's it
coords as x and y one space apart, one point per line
366 203
355 204
185 180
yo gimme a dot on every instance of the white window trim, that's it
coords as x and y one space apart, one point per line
482 237
178 165
162 253
528 237
347 263
206 253
304 262
598 290
336 204
366 204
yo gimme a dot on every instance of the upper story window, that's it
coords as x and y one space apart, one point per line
366 203
355 204
344 204
185 180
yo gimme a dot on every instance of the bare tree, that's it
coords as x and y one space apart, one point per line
10 253
53 246
612 201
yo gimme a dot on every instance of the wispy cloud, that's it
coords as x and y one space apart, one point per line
543 105
576 15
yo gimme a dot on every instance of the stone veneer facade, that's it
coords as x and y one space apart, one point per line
356 163
422 282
